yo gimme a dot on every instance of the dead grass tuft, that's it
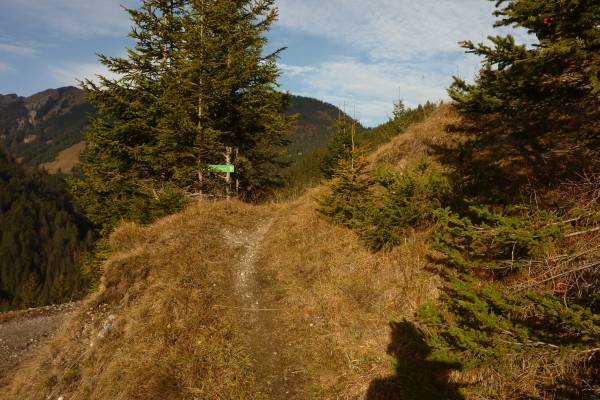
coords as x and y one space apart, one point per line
420 140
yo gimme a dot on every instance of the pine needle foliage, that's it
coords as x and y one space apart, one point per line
196 89
501 243
382 205
232 98
480 320
350 198
483 320
339 146
560 69
406 200
124 137
479 324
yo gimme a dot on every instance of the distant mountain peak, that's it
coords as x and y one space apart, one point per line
36 128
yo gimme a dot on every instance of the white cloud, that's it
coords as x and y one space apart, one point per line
17 50
296 70
393 43
371 88
68 74
391 29
374 86
73 17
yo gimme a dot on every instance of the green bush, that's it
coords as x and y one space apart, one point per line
350 198
380 208
409 199
477 324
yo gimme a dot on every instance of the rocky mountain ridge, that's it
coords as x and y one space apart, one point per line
34 129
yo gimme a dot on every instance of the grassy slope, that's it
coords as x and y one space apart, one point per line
166 338
65 161
539 375
421 140
311 322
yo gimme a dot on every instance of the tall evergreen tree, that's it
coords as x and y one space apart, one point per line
196 90
231 93
120 164
350 199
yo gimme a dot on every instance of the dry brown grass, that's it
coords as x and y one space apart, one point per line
338 299
166 340
420 140
550 375
178 331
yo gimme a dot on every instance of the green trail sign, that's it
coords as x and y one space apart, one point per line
226 168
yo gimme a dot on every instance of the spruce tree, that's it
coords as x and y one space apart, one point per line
561 70
196 90
120 164
339 146
527 102
233 107
350 199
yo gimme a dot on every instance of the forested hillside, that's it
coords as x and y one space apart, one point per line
322 137
316 121
42 239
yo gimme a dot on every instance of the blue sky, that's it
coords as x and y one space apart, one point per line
360 53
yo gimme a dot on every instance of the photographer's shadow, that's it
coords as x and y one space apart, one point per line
416 378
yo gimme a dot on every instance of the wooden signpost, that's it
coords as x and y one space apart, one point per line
228 168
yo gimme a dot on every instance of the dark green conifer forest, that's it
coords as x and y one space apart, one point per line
42 239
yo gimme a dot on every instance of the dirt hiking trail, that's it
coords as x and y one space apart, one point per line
23 332
257 314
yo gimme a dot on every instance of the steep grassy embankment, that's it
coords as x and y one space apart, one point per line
182 313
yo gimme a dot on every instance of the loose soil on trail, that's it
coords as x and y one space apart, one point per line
257 313
22 333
